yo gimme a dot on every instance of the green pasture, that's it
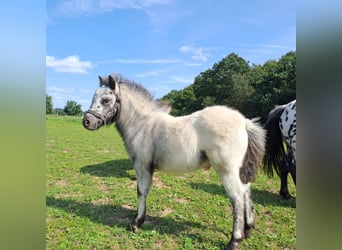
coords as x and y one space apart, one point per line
91 199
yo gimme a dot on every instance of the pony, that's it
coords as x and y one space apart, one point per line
217 137
281 126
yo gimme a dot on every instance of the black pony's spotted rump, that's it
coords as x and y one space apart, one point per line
217 137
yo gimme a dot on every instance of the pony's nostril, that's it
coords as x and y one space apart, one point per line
86 122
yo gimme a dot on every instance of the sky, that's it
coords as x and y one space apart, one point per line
161 44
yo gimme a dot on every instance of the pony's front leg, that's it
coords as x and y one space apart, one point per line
144 179
292 165
293 173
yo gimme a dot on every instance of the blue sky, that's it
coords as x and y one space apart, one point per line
162 44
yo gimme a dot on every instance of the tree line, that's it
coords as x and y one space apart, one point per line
254 90
70 108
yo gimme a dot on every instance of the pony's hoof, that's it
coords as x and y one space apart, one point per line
134 228
248 230
232 245
285 196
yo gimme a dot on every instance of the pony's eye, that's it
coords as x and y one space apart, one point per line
105 100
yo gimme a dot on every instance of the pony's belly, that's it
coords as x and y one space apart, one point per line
178 168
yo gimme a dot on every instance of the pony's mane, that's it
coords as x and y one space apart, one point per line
136 87
139 89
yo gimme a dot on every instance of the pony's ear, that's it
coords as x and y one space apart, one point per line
101 81
111 82
165 106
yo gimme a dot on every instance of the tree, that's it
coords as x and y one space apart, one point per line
253 90
182 101
277 84
72 108
49 105
226 83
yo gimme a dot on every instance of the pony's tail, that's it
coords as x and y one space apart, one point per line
255 150
275 150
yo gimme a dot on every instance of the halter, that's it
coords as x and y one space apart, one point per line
109 116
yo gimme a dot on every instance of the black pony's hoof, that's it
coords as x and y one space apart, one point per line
285 196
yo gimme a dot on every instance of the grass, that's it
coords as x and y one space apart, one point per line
91 199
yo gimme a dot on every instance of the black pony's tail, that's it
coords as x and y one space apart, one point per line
275 149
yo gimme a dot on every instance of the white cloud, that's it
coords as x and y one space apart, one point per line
55 89
70 64
277 46
60 96
198 54
193 64
130 4
159 90
142 61
94 7
180 79
151 73
273 45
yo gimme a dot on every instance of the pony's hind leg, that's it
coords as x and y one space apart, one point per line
235 191
285 167
144 180
249 211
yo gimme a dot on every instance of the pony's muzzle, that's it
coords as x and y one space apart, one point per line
91 122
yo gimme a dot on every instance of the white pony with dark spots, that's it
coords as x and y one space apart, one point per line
281 126
217 137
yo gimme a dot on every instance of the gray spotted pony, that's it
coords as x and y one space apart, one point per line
280 127
217 137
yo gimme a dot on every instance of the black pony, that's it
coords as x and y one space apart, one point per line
281 126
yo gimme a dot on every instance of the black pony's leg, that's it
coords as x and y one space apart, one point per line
144 179
284 171
293 174
293 170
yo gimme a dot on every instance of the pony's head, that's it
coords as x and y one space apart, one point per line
105 106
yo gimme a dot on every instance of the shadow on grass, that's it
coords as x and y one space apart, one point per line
262 197
117 216
115 168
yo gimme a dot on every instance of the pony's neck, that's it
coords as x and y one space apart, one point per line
135 109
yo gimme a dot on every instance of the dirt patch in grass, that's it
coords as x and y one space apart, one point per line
103 201
68 196
166 211
61 183
105 150
181 200
156 182
127 206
